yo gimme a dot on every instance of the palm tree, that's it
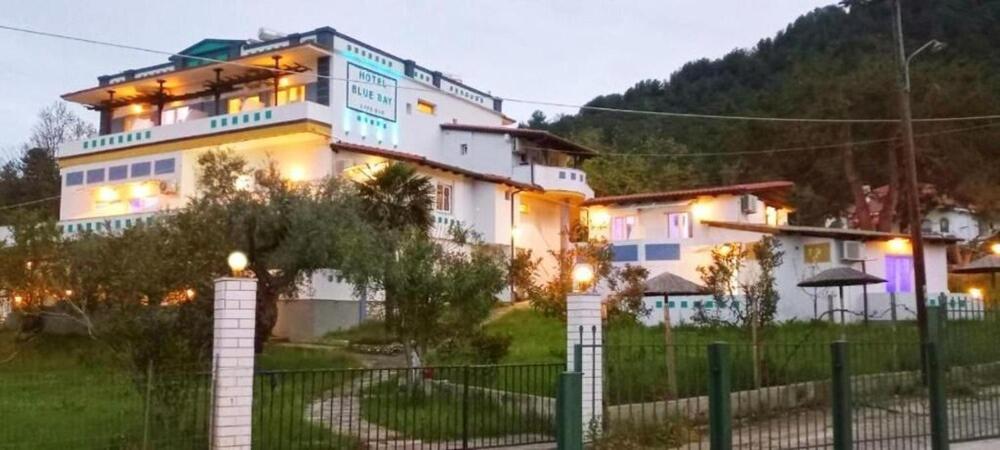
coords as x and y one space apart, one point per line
397 198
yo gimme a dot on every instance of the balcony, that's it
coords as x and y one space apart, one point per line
561 179
212 130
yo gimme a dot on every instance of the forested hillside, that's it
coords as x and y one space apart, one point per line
835 62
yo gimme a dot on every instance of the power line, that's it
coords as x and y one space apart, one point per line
805 148
32 202
508 99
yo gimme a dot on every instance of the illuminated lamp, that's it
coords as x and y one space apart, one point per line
898 245
583 275
141 190
995 248
725 249
283 82
296 174
189 293
136 108
18 299
237 263
106 194
976 293
699 211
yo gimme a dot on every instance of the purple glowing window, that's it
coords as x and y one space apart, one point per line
899 274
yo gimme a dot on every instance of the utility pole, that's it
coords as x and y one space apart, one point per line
910 158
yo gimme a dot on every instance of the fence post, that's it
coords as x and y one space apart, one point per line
585 332
841 393
719 407
569 412
465 407
938 402
149 405
233 353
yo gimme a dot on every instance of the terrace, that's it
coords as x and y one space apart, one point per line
270 87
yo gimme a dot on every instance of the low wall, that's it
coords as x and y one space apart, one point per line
309 320
765 400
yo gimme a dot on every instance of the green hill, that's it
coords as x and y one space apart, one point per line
836 61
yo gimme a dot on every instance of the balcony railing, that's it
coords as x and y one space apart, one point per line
199 127
555 178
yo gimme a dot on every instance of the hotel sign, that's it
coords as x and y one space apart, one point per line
371 92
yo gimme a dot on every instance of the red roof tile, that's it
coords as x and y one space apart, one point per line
423 161
773 192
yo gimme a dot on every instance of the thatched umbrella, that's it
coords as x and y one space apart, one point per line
988 264
840 277
667 284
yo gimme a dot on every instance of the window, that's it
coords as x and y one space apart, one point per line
426 107
899 273
74 178
237 104
945 225
138 122
163 166
621 228
291 94
771 215
443 198
678 225
95 176
464 149
141 169
116 173
926 226
175 115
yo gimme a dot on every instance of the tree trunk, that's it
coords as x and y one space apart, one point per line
887 217
267 316
861 211
668 340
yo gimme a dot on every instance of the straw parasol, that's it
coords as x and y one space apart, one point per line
839 277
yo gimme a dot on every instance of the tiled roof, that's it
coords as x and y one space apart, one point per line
835 233
774 192
423 161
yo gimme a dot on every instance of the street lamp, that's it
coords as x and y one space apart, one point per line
910 160
237 263
583 276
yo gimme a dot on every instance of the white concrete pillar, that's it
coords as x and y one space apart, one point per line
233 362
584 326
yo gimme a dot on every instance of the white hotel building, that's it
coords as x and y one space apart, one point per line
338 105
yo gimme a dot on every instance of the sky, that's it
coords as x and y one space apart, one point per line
564 51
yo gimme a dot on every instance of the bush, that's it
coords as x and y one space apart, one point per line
480 348
367 333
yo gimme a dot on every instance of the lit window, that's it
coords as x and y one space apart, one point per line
678 225
443 198
251 103
771 216
176 115
622 227
291 95
233 105
899 274
426 107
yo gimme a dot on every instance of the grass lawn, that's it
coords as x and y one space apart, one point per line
636 360
436 413
68 392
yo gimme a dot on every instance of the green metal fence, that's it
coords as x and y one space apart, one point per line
810 392
451 407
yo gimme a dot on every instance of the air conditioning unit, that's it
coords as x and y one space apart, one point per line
167 187
853 251
748 204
